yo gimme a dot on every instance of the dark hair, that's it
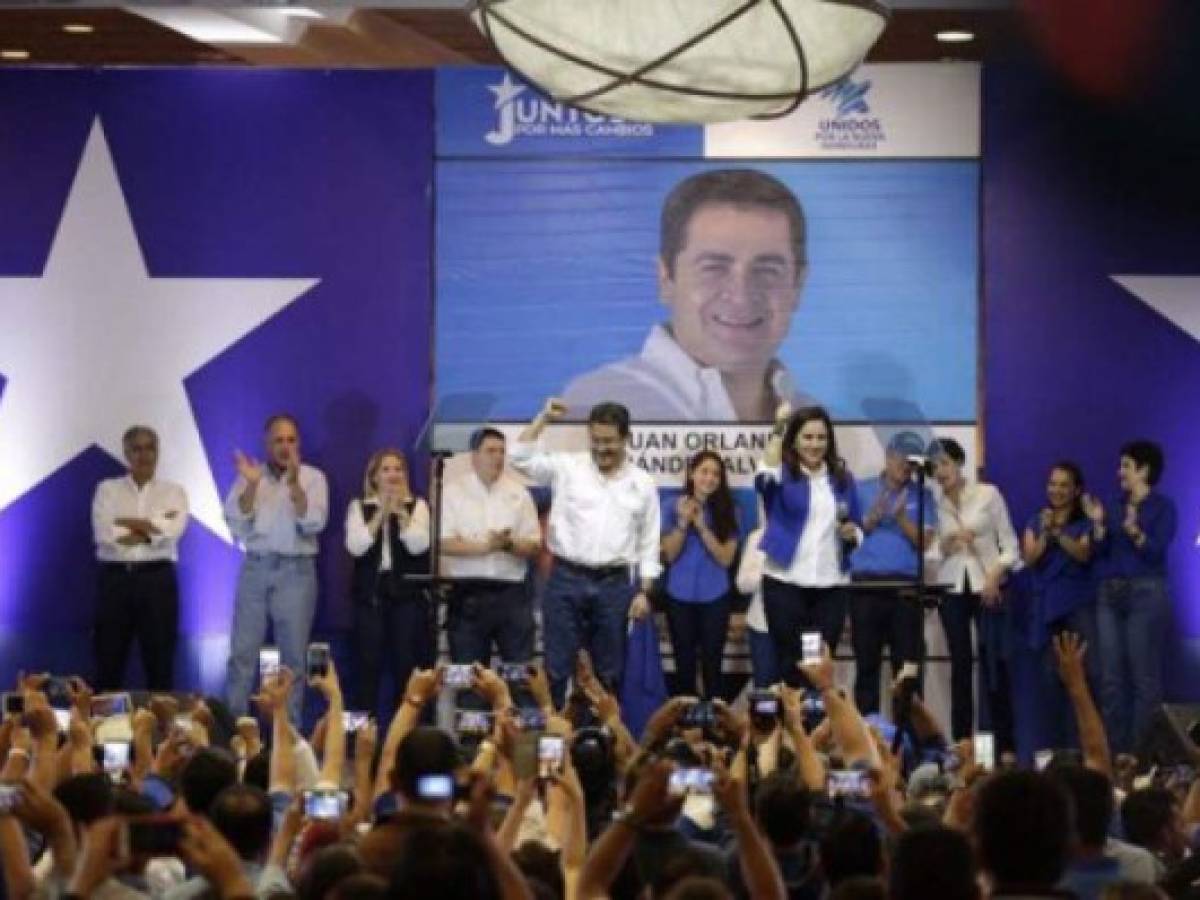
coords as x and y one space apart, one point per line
683 863
447 859
424 751
362 886
1146 455
1092 794
724 513
281 417
782 807
208 772
1076 473
613 414
133 432
947 446
1023 828
258 770
479 435
1145 814
734 187
800 418
538 862
696 887
128 802
86 798
850 847
326 869
243 814
933 862
860 887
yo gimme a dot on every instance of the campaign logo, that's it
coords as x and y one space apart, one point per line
491 111
851 127
532 116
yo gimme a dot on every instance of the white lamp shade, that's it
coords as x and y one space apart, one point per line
751 65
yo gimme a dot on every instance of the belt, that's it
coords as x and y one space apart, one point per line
151 565
596 572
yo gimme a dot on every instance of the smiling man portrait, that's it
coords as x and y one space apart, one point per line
731 266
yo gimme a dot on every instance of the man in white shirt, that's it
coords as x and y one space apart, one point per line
137 522
732 263
489 532
604 529
277 511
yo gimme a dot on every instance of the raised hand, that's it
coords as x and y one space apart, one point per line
554 409
1093 509
1069 650
248 468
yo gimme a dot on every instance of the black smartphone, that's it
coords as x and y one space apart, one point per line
317 661
14 704
700 714
152 836
325 803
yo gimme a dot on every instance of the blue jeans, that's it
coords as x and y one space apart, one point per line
581 611
1132 615
763 663
283 590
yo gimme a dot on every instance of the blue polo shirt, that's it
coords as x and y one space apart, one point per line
1061 583
1116 555
694 576
886 550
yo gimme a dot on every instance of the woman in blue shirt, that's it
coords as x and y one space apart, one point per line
1131 537
1057 548
813 522
699 539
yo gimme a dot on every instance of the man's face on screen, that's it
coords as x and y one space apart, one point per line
734 287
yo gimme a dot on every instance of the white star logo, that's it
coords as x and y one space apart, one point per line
506 91
97 344
1175 297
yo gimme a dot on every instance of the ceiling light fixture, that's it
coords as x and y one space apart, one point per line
682 60
78 28
14 55
954 36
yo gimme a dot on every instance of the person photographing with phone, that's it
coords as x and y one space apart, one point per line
812 519
387 534
604 528
276 511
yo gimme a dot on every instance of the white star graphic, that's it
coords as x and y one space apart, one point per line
97 344
506 91
1175 297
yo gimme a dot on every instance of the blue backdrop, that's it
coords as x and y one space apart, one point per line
248 174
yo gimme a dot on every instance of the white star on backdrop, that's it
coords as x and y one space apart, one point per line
1176 297
505 91
97 344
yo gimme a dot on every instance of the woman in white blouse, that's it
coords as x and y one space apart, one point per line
979 548
387 533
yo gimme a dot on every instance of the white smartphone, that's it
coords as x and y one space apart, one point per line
1041 759
810 647
268 663
985 750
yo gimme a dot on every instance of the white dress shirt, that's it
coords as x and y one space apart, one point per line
472 509
981 509
163 503
272 526
415 537
664 384
818 559
596 520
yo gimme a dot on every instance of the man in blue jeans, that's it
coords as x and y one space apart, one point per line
276 510
1131 538
604 527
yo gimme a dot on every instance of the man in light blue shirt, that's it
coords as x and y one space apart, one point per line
885 563
276 511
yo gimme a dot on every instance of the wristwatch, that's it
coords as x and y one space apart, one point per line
628 819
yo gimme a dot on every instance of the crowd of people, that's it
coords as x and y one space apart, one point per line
799 796
540 787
